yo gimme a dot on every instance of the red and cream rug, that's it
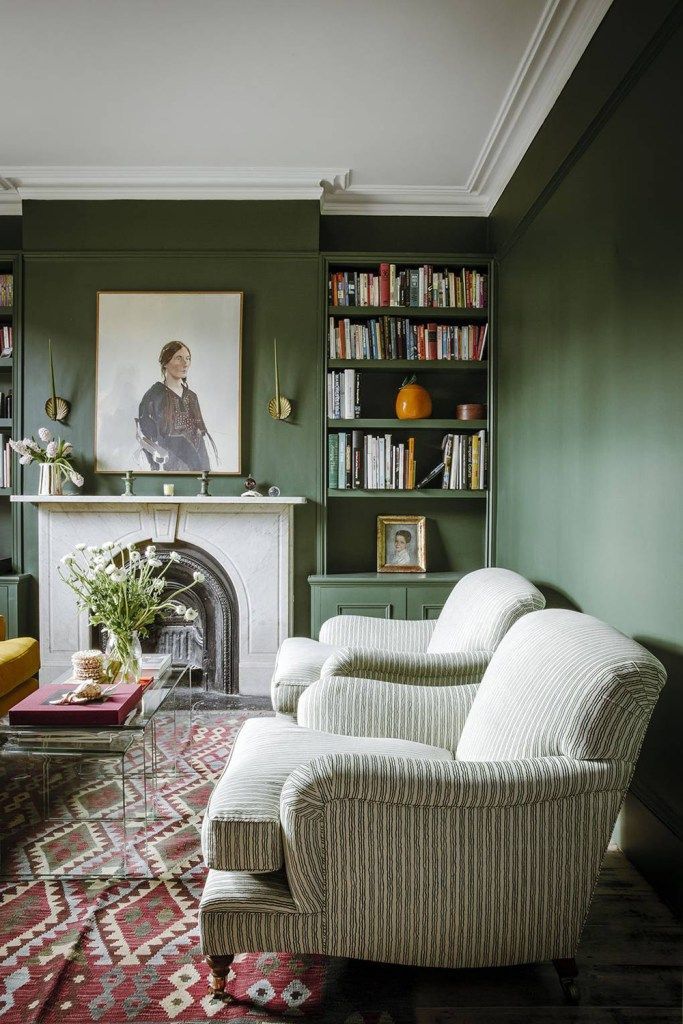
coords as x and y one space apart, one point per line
128 951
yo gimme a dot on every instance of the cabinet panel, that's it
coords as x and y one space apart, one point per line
426 602
378 602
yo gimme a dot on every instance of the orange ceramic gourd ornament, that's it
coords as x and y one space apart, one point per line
413 402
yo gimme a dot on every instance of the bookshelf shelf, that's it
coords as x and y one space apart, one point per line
5 424
394 424
7 311
409 312
424 493
5 363
416 365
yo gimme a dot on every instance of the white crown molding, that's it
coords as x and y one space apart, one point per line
10 203
563 32
403 201
173 182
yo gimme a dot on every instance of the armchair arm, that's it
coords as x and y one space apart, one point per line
415 668
366 631
370 707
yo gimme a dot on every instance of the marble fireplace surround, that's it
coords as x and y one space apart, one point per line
250 538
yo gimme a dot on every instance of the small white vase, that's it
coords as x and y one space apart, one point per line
49 479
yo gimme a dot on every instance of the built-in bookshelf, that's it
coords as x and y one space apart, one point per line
10 283
387 318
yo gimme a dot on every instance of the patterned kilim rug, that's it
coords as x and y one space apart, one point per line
108 950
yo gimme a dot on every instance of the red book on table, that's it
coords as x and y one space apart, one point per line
36 709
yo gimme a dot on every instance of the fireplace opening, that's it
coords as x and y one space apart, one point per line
210 644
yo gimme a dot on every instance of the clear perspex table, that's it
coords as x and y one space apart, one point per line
84 802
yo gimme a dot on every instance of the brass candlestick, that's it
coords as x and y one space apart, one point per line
280 408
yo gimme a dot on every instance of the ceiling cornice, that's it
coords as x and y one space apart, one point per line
563 32
98 183
560 38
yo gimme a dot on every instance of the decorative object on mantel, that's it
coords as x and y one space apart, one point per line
250 489
88 665
470 411
169 490
56 408
274 492
203 486
53 459
123 591
413 402
401 544
128 484
280 408
179 410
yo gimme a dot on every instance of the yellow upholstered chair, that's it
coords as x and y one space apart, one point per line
19 664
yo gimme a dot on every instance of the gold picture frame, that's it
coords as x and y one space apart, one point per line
401 544
134 329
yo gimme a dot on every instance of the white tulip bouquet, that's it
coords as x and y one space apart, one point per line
56 453
124 590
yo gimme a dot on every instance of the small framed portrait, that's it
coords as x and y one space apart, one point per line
168 382
401 544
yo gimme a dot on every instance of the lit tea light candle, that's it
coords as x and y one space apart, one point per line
169 490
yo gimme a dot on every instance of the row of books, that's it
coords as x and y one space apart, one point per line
413 286
5 462
6 341
343 395
359 461
465 462
6 405
397 338
6 289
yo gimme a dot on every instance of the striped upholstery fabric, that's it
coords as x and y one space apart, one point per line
241 827
369 707
481 609
298 664
487 859
414 668
366 631
563 683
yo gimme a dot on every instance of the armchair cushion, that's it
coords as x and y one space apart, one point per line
241 828
482 607
459 667
367 631
298 664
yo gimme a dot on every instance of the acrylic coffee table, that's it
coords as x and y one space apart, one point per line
79 803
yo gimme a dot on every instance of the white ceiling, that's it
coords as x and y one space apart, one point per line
398 106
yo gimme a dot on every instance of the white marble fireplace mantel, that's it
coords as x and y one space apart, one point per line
250 538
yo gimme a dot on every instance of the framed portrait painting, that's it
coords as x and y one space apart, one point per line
401 544
168 382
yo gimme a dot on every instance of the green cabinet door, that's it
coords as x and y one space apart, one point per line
380 602
426 602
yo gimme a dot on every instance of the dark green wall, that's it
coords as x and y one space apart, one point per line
590 418
269 250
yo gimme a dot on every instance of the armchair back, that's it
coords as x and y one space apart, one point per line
563 683
481 609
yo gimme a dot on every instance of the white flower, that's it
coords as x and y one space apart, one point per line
111 569
180 609
191 614
174 556
67 447
51 450
80 547
108 545
91 549
66 559
76 478
158 585
44 434
198 577
156 563
18 446
150 551
31 445
134 556
26 460
118 577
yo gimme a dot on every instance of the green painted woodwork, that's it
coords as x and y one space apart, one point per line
590 305
416 365
404 234
409 312
381 595
375 424
14 601
425 495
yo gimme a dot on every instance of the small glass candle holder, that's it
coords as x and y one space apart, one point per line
169 490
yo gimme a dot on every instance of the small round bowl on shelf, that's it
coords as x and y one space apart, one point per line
470 411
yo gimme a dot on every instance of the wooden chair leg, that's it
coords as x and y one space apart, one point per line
220 965
568 972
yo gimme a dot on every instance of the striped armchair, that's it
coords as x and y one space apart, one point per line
455 648
432 835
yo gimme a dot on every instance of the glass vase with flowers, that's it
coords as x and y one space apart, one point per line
124 590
